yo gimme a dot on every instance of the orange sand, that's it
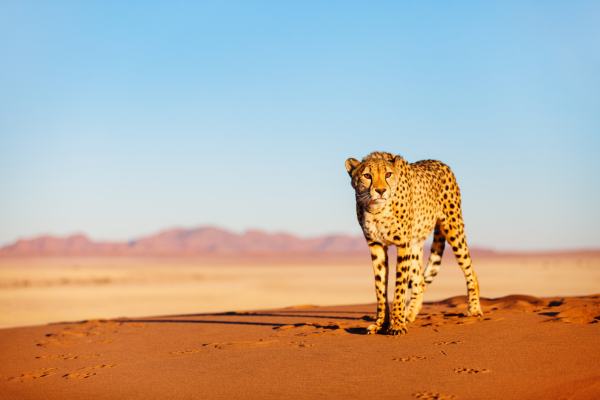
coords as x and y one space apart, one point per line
523 348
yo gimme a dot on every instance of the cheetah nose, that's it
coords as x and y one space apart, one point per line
380 191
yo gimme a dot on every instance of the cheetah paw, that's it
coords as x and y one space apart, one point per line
397 329
374 329
475 313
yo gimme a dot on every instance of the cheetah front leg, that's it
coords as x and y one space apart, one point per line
380 268
397 324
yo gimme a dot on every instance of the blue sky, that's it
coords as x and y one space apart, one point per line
120 119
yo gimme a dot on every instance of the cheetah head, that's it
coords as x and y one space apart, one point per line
375 179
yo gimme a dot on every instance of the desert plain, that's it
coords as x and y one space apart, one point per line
294 327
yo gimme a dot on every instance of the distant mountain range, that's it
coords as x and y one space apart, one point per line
201 241
211 241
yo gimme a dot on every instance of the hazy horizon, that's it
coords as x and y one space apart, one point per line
122 120
426 246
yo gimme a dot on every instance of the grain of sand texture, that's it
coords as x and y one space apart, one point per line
525 347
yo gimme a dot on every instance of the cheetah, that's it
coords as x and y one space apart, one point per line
399 204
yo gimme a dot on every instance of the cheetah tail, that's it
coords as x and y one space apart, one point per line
437 250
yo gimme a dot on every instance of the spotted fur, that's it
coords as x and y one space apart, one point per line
399 204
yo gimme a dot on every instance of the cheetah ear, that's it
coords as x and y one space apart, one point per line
399 163
351 165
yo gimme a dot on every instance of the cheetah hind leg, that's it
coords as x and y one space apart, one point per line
456 238
416 301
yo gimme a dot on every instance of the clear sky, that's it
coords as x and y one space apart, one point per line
121 119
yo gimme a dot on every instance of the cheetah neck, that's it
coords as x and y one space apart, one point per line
375 209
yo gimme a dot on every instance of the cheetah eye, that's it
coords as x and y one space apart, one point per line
368 176
388 174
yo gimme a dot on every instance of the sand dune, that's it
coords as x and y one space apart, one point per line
222 327
523 348
540 345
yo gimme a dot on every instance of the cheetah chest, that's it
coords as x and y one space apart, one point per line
380 227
